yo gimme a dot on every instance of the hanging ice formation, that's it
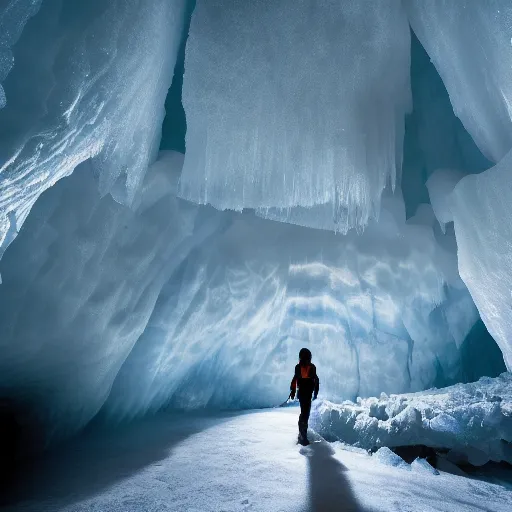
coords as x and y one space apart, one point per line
294 111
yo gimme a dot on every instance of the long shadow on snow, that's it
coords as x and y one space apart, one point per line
99 458
329 487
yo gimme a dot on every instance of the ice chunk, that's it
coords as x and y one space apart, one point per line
470 45
386 456
422 466
295 104
482 211
88 81
445 424
470 419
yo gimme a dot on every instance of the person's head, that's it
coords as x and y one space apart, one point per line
305 355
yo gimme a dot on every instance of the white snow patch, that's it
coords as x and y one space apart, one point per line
473 420
231 462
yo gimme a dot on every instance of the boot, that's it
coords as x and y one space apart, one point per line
303 434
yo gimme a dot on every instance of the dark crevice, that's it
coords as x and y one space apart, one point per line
480 355
174 126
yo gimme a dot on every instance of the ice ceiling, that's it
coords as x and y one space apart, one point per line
345 185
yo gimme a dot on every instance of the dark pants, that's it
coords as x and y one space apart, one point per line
305 409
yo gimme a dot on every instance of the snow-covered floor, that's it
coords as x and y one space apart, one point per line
235 462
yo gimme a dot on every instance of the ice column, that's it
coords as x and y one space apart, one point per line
297 103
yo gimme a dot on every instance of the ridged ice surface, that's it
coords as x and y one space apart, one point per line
173 303
470 45
88 78
296 103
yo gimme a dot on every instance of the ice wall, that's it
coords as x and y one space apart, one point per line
80 283
89 80
295 104
377 311
434 136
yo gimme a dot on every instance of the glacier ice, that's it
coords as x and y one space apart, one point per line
422 466
375 309
295 104
473 420
385 456
88 81
470 45
481 210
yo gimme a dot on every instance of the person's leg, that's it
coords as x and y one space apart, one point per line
305 409
302 419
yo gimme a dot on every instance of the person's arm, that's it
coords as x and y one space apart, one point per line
317 384
293 385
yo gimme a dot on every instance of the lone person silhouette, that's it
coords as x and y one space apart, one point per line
307 381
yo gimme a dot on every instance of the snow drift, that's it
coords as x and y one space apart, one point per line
474 420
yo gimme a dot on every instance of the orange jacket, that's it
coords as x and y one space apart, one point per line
306 379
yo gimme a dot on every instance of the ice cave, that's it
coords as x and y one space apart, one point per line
192 191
